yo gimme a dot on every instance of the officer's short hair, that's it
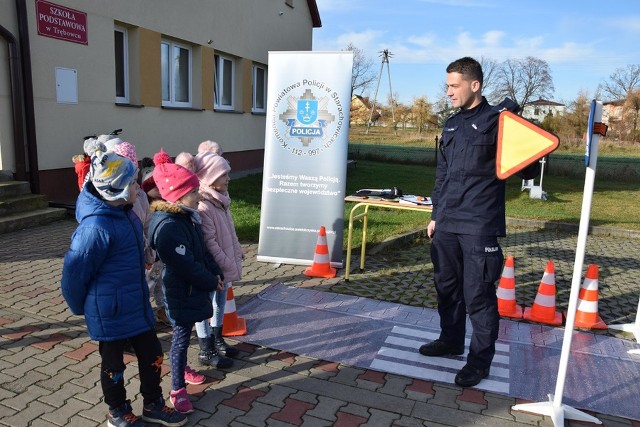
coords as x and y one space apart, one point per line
468 67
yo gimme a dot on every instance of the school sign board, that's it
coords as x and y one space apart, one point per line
305 160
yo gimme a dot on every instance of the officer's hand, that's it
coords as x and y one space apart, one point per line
431 229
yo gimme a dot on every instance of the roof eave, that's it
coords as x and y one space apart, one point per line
315 13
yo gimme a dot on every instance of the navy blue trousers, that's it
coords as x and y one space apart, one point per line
466 269
178 355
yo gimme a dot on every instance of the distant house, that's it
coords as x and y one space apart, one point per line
612 112
538 110
361 111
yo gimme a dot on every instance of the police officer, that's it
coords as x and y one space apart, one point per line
469 216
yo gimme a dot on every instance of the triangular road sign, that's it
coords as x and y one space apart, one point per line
520 143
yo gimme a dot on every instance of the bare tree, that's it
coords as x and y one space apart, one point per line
632 103
621 83
362 73
443 108
422 113
403 115
490 76
523 79
392 99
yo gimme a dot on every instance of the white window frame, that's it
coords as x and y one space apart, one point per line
124 98
224 79
256 93
169 71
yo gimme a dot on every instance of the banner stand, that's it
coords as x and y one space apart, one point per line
305 155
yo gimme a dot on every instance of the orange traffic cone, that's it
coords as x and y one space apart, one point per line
587 309
232 325
507 292
321 266
544 306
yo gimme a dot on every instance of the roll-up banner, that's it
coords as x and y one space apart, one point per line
305 155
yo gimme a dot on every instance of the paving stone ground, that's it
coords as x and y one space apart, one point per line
49 368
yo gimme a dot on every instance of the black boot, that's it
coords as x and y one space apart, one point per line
209 355
221 345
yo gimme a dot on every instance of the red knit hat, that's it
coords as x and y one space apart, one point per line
173 181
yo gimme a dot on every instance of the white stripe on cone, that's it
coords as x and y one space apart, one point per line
545 300
587 306
508 294
230 306
508 273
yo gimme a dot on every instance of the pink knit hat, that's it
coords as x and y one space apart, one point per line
126 149
211 146
209 167
185 160
173 181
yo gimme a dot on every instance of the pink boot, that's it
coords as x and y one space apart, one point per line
180 400
192 377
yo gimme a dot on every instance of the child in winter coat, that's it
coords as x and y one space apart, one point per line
103 279
153 263
82 162
190 272
141 205
220 235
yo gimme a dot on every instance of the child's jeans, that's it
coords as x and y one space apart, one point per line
219 300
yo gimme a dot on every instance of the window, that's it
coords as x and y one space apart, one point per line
176 74
122 65
259 89
223 82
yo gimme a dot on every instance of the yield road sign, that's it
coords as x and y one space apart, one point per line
520 143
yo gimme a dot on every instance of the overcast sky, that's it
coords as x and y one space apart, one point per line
583 42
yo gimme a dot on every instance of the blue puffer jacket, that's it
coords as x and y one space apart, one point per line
190 271
103 271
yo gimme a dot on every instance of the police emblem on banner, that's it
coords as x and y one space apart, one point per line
307 111
308 122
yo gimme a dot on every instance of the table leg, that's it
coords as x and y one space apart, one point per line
348 266
365 221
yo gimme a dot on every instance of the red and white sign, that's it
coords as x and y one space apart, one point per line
60 22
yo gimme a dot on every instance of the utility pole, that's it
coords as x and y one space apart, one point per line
385 55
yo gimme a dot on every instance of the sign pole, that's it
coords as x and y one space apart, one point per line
554 408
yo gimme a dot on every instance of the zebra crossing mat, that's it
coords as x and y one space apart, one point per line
384 336
399 355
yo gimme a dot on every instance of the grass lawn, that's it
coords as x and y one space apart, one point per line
614 204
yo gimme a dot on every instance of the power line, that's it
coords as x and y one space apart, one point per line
385 55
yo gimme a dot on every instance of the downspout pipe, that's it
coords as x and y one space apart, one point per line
27 85
17 107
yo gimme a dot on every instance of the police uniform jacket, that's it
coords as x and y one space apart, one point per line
467 197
